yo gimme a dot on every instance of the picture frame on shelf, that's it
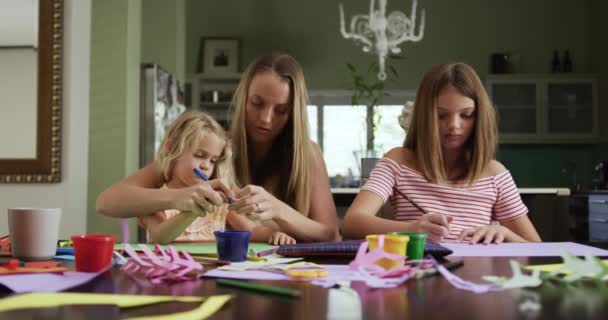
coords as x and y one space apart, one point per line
219 55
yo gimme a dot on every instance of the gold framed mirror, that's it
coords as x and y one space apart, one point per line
43 164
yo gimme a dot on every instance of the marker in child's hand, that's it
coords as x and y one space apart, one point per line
204 177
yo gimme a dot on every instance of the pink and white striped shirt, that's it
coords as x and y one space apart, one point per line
490 198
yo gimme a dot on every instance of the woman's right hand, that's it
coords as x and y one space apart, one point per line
201 198
436 226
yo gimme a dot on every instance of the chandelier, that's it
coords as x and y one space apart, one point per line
380 33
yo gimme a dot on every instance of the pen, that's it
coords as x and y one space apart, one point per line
259 287
410 200
204 177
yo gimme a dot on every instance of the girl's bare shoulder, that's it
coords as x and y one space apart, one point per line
402 156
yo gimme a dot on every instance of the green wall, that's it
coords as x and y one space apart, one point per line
468 30
163 33
114 109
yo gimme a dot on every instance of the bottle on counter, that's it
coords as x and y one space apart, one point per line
556 65
567 62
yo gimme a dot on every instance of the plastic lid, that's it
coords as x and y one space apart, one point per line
412 235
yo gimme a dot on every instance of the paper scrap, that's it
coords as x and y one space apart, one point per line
209 306
530 249
200 248
517 280
45 282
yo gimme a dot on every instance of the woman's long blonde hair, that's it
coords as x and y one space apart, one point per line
291 154
185 132
423 135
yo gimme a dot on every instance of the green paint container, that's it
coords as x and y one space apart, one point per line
415 247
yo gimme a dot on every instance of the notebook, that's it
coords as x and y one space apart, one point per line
345 249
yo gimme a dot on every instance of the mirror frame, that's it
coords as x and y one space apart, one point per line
46 167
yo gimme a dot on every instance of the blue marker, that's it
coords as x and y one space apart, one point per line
204 177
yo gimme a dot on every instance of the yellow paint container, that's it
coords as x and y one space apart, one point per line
392 244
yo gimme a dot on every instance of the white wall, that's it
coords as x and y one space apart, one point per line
71 193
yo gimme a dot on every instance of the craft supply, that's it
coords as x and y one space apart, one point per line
209 260
396 244
267 252
93 252
299 270
259 287
536 249
209 305
161 265
64 251
345 249
232 245
201 175
410 200
415 247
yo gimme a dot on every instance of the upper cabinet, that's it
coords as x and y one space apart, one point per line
213 94
552 108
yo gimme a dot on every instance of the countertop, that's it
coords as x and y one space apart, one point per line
561 192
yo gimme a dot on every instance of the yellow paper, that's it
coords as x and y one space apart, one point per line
553 267
209 306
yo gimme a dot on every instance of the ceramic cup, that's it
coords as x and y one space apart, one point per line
34 232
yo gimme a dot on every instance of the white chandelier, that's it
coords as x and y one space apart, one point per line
382 34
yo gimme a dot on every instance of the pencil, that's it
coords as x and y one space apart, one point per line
410 200
201 175
259 287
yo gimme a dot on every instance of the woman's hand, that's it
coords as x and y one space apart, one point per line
201 198
436 226
279 238
486 234
256 203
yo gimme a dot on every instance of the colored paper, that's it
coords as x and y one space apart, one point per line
200 248
337 273
46 282
209 306
531 249
554 267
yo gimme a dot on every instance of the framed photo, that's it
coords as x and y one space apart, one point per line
219 55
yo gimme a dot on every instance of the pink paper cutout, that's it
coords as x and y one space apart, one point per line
374 275
161 265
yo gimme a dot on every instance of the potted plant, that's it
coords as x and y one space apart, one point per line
369 91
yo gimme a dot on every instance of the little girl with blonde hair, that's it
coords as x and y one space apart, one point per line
194 140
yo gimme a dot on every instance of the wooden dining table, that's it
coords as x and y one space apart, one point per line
427 298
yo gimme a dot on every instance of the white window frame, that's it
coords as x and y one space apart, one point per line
321 98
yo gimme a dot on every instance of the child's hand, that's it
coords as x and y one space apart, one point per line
436 226
488 234
200 198
278 238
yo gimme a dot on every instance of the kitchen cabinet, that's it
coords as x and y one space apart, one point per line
213 94
553 108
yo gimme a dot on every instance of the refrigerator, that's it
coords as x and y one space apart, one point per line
162 101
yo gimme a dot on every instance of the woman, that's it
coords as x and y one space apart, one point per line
444 181
286 188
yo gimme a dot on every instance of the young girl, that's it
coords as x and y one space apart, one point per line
194 140
446 168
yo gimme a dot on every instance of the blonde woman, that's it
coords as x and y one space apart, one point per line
285 192
284 178
446 169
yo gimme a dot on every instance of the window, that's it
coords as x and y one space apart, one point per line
341 131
